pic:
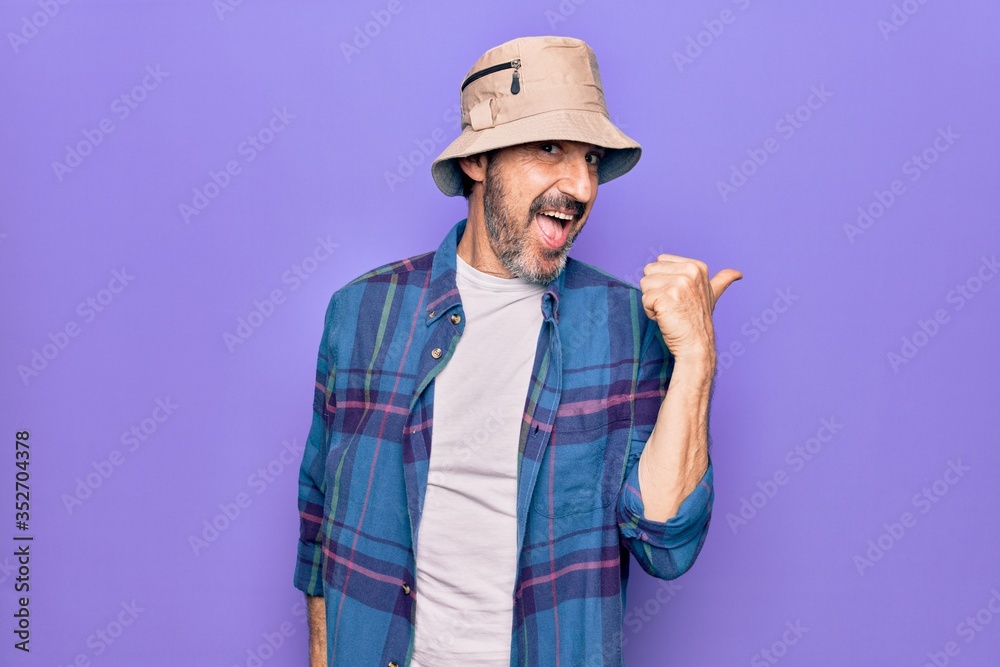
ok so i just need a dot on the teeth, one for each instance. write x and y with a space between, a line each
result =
557 215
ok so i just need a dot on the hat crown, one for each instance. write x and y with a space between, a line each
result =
542 74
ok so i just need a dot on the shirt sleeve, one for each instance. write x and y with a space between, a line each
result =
312 478
664 549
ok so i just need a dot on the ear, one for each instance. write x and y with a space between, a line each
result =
474 166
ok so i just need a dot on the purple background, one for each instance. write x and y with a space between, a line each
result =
351 119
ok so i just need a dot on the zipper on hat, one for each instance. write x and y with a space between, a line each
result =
515 84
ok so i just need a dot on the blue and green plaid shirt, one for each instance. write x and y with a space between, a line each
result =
600 373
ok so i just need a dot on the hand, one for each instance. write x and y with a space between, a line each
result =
678 294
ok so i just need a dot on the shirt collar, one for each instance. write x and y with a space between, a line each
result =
443 294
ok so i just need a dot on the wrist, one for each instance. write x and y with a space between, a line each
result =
698 360
695 372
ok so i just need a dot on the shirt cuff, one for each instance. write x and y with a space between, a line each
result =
308 569
688 524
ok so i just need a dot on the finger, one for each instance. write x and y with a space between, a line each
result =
667 257
682 264
691 269
673 282
648 304
723 279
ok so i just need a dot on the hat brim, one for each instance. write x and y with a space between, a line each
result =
560 125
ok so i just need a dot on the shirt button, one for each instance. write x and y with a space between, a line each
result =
406 588
436 353
455 318
393 663
430 314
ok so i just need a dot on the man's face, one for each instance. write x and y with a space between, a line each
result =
536 200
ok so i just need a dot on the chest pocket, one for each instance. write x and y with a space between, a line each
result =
582 466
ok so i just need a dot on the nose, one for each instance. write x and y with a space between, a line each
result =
579 180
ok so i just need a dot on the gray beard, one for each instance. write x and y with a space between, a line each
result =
510 247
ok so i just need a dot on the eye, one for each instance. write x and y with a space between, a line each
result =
547 148
594 158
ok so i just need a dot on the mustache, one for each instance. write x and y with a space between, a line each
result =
564 203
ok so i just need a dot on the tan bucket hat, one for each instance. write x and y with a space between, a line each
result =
535 89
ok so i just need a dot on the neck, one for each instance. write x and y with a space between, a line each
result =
474 246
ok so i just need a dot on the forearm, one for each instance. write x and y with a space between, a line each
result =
675 457
317 630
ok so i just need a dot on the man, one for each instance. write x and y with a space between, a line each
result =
483 457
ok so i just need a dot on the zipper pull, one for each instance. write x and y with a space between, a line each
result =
515 84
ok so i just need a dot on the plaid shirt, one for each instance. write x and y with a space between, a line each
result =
600 373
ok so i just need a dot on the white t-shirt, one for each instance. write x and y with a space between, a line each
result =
467 543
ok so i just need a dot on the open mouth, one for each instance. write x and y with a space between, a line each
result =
554 226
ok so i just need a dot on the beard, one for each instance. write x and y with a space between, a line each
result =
511 241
